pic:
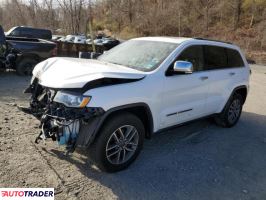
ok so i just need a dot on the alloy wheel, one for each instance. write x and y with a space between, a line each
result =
234 111
122 144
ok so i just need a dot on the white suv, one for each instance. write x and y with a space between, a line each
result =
143 86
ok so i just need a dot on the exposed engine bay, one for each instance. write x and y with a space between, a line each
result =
58 122
60 98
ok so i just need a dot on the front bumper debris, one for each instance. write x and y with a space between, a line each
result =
71 127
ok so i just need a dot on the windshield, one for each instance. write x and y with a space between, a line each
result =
139 54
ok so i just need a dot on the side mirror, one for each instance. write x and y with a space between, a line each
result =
183 67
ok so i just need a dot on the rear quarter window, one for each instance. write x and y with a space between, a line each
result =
44 34
234 58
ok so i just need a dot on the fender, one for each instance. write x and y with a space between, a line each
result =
131 106
233 92
90 130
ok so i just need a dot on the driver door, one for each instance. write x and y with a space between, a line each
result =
184 95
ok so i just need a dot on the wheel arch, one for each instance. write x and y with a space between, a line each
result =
242 90
222 118
26 56
141 110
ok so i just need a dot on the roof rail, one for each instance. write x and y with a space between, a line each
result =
198 38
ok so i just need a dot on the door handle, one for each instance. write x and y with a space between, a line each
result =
203 78
232 73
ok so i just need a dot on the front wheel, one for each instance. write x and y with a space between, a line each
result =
231 113
26 66
119 143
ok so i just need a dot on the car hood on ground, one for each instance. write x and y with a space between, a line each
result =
75 73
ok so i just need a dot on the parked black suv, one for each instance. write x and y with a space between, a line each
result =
29 32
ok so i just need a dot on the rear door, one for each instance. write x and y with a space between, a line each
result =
225 69
184 95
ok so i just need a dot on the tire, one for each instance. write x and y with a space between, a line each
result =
104 152
25 66
231 112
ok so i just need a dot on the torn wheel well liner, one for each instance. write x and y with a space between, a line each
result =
141 110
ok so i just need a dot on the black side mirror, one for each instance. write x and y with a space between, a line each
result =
2 36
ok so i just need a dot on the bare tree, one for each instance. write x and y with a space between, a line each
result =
206 4
72 11
140 17
236 7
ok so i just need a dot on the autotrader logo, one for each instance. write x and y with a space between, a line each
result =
27 193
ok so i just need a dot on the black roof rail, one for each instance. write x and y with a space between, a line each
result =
198 38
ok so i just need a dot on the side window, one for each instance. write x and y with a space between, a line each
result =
24 32
46 34
42 34
35 33
193 54
234 58
15 32
215 57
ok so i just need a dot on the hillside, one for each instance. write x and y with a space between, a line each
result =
239 21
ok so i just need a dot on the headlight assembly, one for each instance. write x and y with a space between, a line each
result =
72 100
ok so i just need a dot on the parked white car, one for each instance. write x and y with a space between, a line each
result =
80 39
140 87
68 38
57 37
89 41
98 41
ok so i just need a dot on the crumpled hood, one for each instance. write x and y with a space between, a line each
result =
75 73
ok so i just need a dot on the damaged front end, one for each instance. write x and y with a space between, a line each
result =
63 116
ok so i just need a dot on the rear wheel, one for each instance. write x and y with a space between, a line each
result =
231 113
26 66
119 143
